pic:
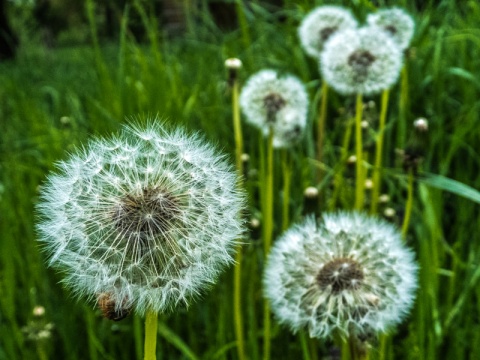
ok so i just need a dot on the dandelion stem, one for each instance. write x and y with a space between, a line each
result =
359 194
408 205
321 127
237 279
378 153
304 344
268 234
151 323
287 179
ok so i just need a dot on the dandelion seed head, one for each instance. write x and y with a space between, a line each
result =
349 274
270 100
142 221
364 61
396 22
320 24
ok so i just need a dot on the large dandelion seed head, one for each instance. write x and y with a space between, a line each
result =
364 61
348 275
144 220
276 102
320 24
396 22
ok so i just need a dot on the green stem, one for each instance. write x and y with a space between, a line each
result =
360 182
403 105
378 153
268 235
237 277
408 205
151 323
287 180
321 128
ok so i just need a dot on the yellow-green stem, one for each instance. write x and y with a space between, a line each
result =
287 179
378 153
360 181
408 205
267 235
151 323
321 127
237 276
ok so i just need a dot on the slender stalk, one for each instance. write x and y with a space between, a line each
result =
267 235
304 344
151 323
321 127
378 153
403 107
237 277
408 205
287 180
360 182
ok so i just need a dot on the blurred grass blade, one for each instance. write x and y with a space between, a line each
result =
453 186
175 340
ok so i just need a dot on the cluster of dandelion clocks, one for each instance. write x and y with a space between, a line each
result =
277 103
144 220
349 274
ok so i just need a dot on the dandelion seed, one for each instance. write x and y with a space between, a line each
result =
361 61
320 24
396 22
143 221
348 275
269 100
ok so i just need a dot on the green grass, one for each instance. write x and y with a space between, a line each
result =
52 100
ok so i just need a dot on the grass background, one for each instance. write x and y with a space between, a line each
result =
54 99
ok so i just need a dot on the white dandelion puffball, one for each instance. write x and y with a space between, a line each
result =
349 275
361 61
280 102
142 221
396 22
320 24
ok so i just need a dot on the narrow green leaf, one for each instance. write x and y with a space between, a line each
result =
453 186
176 341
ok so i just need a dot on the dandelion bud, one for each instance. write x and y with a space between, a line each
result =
233 65
368 184
143 221
416 146
389 212
351 160
38 311
384 198
350 275
311 192
421 124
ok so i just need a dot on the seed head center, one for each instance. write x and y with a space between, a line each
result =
360 61
273 103
148 213
340 274
326 32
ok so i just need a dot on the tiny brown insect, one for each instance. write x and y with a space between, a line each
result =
109 309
